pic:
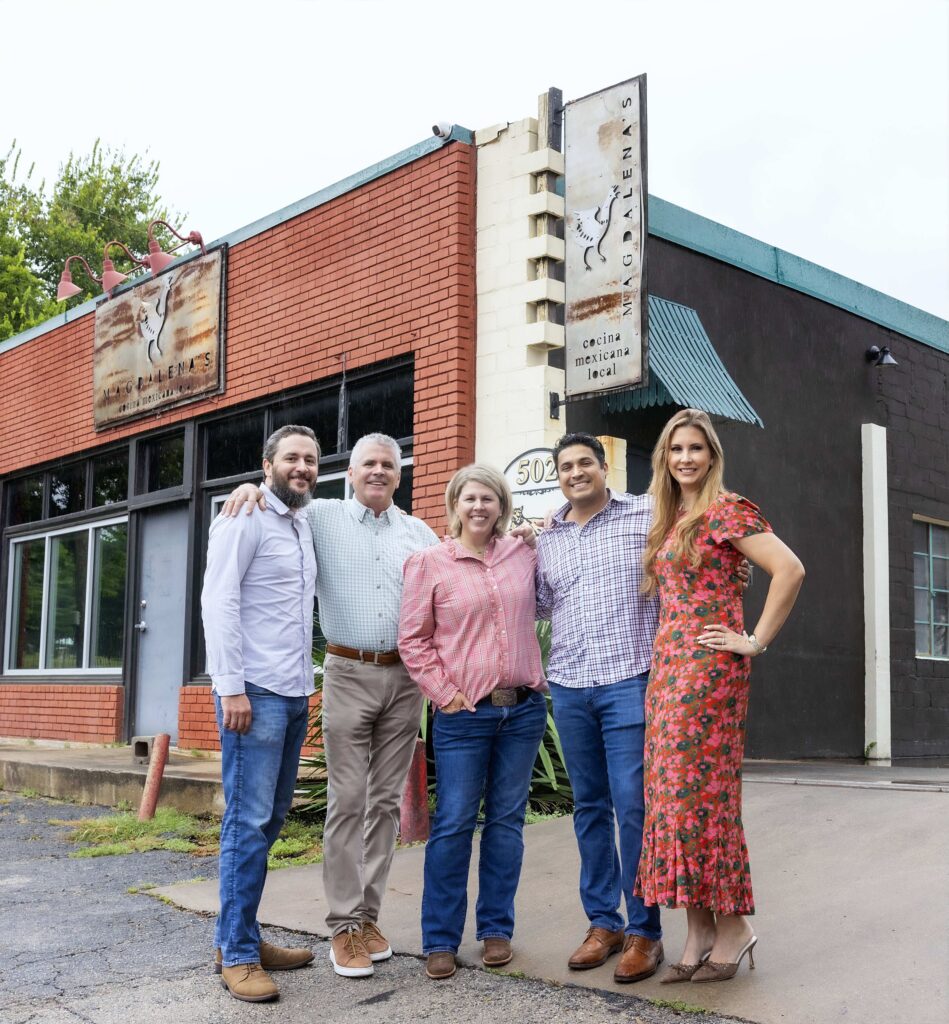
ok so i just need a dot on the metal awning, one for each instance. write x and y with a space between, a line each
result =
684 369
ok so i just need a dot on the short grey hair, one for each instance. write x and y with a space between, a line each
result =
367 440
273 442
478 473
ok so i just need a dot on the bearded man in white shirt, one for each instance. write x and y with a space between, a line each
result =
257 606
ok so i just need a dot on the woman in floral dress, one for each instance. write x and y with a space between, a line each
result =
694 853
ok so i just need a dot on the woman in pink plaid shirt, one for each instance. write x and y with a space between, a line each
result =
467 638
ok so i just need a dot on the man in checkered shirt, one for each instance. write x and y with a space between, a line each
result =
589 571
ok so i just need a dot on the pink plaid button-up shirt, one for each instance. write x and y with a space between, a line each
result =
468 624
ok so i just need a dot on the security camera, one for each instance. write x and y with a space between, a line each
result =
442 130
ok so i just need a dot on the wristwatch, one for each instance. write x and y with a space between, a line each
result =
753 640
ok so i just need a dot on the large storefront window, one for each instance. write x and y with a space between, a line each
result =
66 600
931 588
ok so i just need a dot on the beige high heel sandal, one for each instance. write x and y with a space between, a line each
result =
681 972
712 971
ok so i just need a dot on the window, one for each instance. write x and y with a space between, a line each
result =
26 499
234 445
931 588
164 459
67 600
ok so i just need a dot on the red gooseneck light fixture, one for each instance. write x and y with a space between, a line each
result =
156 261
67 289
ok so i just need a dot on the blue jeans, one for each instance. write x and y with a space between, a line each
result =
602 730
488 753
259 772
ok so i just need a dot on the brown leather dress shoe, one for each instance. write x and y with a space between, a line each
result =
250 983
641 958
497 952
274 958
440 965
598 945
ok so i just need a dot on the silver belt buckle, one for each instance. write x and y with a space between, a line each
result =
504 698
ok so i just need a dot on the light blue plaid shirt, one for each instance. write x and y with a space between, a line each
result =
360 558
588 580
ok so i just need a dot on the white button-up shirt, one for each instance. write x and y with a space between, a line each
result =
257 601
360 556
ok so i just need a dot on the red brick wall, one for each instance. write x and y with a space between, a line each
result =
383 271
197 729
378 272
85 714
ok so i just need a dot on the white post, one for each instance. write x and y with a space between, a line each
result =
876 593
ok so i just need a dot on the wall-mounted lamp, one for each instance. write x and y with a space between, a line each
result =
880 356
156 261
67 289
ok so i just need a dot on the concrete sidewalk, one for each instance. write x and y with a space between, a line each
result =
851 883
109 777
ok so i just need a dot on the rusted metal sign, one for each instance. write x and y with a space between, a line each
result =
605 174
161 343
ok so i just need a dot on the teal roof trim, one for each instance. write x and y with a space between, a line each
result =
325 195
692 231
684 369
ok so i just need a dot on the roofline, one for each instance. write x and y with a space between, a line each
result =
676 224
257 227
666 220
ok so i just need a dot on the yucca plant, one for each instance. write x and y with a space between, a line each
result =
550 786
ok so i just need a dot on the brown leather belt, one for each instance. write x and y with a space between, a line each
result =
370 657
507 697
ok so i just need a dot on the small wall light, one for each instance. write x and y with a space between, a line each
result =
880 356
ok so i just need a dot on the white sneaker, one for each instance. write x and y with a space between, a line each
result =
349 956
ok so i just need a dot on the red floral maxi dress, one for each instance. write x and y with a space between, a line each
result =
694 852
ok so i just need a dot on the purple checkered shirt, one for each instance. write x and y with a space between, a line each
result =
588 581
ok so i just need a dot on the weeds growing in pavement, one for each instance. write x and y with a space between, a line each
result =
300 842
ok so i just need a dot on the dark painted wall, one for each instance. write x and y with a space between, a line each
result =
914 398
800 362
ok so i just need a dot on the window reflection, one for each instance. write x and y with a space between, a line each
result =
67 489
108 596
164 462
318 412
383 404
26 499
27 605
110 477
66 603
234 445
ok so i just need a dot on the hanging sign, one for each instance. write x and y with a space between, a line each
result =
605 179
161 343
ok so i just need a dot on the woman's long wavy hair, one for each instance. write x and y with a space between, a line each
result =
667 496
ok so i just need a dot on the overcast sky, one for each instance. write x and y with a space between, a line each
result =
819 127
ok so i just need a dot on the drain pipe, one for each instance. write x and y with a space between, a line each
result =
156 769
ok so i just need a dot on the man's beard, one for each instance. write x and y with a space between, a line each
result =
292 499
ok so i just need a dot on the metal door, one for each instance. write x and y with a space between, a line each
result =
160 620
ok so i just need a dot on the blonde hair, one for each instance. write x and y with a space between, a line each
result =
478 473
667 495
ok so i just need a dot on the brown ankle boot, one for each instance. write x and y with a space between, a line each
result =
249 983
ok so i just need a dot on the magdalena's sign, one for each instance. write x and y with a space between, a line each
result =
605 177
161 343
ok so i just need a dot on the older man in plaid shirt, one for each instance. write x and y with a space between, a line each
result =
589 571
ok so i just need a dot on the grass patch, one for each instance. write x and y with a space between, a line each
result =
123 833
679 1006
132 890
300 841
29 794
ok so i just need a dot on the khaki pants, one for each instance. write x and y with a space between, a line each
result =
371 718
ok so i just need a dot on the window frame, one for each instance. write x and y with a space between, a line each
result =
9 670
930 589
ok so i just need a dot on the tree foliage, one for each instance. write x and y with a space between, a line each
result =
103 196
